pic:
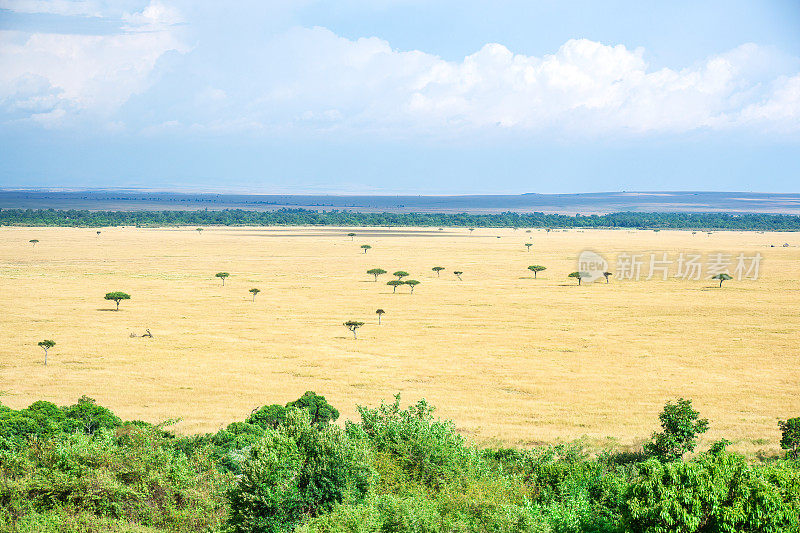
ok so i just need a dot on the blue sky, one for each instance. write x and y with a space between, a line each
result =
400 96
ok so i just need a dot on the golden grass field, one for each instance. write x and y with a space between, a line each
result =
510 359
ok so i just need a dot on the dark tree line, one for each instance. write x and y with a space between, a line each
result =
305 217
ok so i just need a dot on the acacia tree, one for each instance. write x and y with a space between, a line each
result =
394 284
254 291
458 274
98 233
681 426
437 270
535 269
199 231
376 272
365 247
222 276
412 283
528 245
117 297
379 312
607 275
33 242
579 276
352 236
721 277
400 274
471 230
353 325
46 345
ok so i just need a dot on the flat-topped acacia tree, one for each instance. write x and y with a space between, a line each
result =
437 270
394 284
222 276
353 325
722 277
471 230
117 297
579 276
607 275
365 247
99 232
379 312
536 268
46 345
376 272
352 236
528 245
400 274
458 274
33 242
199 231
412 283
254 291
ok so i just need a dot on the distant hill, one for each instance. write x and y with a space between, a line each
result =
568 204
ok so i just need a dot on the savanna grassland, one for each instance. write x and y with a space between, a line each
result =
511 359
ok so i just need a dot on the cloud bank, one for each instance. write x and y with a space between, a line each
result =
158 76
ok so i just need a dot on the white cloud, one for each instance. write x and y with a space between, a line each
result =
58 75
312 80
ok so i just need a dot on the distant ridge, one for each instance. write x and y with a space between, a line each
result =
570 204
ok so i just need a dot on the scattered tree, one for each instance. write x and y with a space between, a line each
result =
437 270
458 274
579 276
790 437
254 291
33 242
394 284
117 297
199 231
376 272
365 247
471 230
681 426
721 277
46 345
412 283
607 275
352 236
222 276
379 312
400 274
528 245
536 269
353 325
98 233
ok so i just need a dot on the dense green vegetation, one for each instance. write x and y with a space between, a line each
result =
304 217
288 468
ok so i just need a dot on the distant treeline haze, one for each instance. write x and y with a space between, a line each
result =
305 217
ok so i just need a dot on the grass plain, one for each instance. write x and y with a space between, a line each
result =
511 359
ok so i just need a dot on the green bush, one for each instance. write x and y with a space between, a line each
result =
298 471
715 493
681 427
790 437
129 474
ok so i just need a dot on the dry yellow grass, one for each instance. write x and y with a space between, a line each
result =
507 357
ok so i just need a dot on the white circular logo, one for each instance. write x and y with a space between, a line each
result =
591 265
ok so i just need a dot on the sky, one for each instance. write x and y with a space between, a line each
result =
401 96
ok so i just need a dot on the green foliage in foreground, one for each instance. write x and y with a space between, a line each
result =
287 468
307 217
